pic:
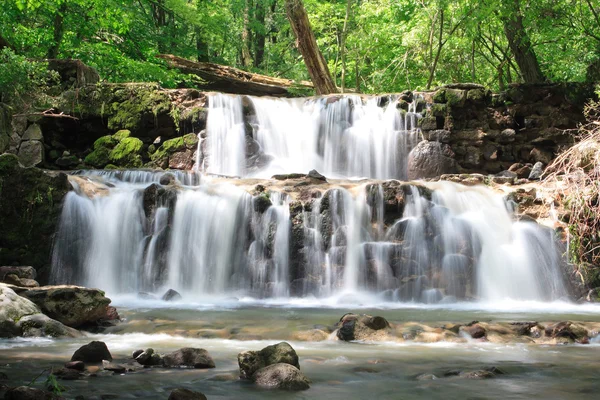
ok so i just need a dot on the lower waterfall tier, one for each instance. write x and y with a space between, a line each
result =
410 242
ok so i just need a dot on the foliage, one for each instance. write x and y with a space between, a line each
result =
576 175
372 45
19 76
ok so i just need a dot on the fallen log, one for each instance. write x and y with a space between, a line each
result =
226 79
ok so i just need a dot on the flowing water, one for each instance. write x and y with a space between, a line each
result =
258 261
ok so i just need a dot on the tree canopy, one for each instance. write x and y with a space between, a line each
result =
369 45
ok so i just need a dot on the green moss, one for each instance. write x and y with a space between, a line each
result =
131 104
167 148
191 140
193 114
111 166
120 135
438 110
440 96
477 95
454 97
99 157
8 162
127 153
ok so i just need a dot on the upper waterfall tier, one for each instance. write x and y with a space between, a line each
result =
342 136
420 242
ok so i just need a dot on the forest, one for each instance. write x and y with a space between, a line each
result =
369 45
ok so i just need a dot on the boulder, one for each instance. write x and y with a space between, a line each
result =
93 352
13 279
27 393
281 376
31 153
148 357
536 171
21 272
186 394
189 357
33 132
475 331
74 306
251 361
362 327
171 295
39 325
12 309
76 365
313 174
430 160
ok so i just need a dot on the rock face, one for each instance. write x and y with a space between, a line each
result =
29 197
93 352
430 160
251 361
190 358
281 376
186 394
362 327
74 306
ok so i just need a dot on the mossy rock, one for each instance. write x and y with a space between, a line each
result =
477 95
99 157
133 104
122 134
191 141
439 96
111 167
160 156
455 97
105 142
127 153
438 110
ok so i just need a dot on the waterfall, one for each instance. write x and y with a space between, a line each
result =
435 242
347 136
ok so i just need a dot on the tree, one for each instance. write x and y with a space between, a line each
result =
307 45
520 44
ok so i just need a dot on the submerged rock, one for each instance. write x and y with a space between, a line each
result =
73 306
188 357
251 361
186 394
28 393
93 352
281 376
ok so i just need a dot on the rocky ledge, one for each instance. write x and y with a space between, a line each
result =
52 310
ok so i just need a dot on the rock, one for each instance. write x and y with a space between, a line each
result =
33 132
281 376
13 279
34 200
41 325
536 171
476 331
564 330
31 153
171 295
148 358
116 368
73 73
68 161
506 136
189 357
67 374
313 174
12 309
127 153
430 160
362 327
539 155
437 135
74 306
111 314
182 160
27 393
251 361
284 177
167 179
136 353
76 365
186 394
261 203
21 272
93 352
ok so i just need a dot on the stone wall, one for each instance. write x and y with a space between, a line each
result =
466 128
488 133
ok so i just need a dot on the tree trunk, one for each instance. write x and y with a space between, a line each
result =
307 45
246 56
59 30
260 34
438 53
520 46
343 45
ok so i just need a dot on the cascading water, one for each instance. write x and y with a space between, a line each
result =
348 136
439 242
